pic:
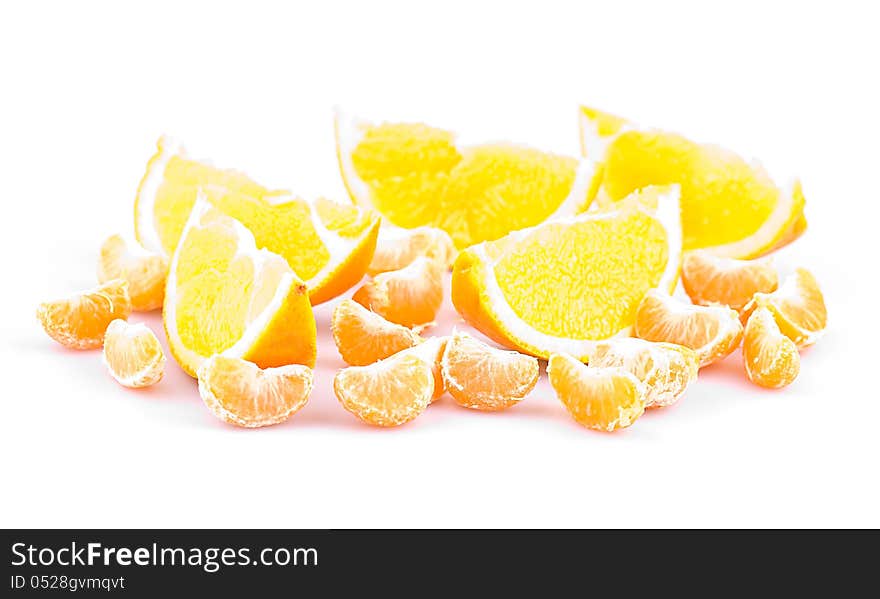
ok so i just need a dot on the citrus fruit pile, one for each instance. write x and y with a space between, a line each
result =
572 261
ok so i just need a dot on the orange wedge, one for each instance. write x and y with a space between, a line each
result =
711 331
713 281
145 271
431 351
363 337
484 378
798 307
771 359
133 355
666 369
410 296
389 392
240 393
605 399
397 248
80 321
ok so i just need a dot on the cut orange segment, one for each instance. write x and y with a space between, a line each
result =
563 285
730 206
666 369
224 296
410 296
240 393
80 321
431 351
133 355
711 331
604 399
389 392
363 337
397 248
713 281
416 175
798 307
144 270
484 378
328 245
771 359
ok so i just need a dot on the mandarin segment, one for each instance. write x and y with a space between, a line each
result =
599 398
770 358
363 337
397 248
798 307
410 296
241 393
387 393
133 354
484 378
145 271
714 281
80 321
431 351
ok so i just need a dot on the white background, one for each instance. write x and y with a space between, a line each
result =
87 88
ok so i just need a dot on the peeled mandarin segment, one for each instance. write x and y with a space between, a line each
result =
771 359
729 205
798 307
144 271
666 369
327 244
363 337
133 354
410 297
240 393
431 351
564 285
712 332
604 399
224 296
80 321
417 175
484 378
713 281
397 248
389 392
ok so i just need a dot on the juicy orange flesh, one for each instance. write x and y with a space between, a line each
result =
387 393
631 253
771 358
130 352
709 177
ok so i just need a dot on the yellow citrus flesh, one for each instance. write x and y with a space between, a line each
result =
798 307
417 175
363 337
605 399
563 285
770 358
80 321
224 296
389 392
484 378
397 248
328 245
240 393
410 297
713 281
133 355
713 332
144 271
666 369
729 205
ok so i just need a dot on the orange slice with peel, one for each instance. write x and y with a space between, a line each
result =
798 307
481 377
714 281
144 271
712 332
327 244
224 296
389 392
363 337
80 320
397 248
601 398
563 285
133 354
240 393
770 358
410 296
